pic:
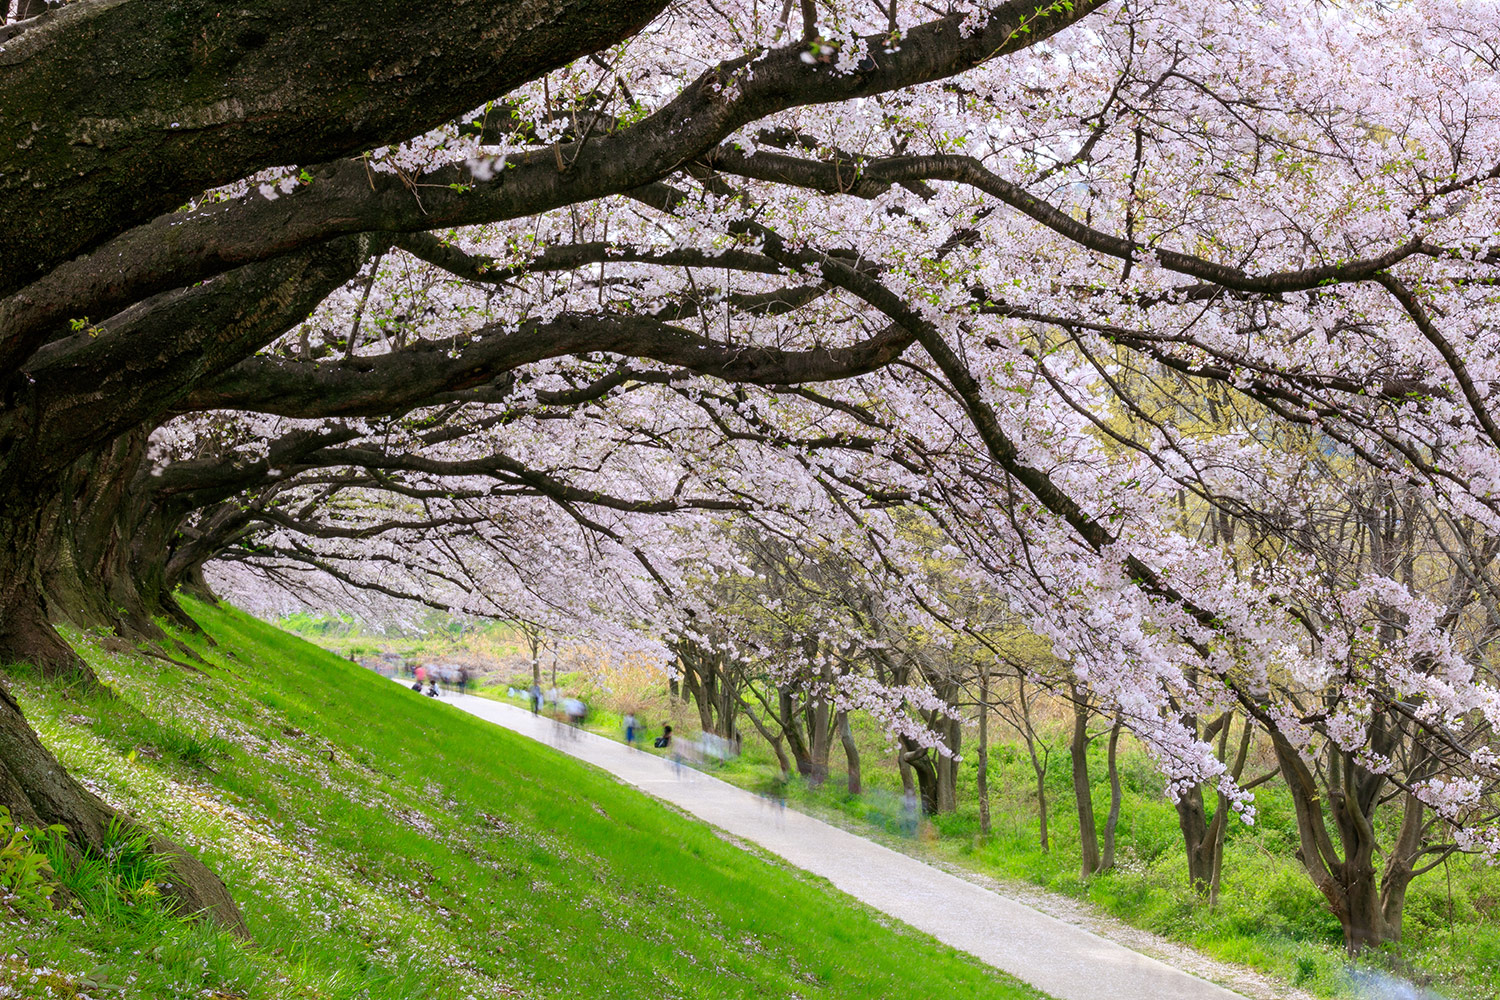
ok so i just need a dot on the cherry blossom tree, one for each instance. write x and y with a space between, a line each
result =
574 313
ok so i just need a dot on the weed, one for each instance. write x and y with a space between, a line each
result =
25 868
121 880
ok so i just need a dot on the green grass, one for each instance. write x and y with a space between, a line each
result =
383 845
1269 915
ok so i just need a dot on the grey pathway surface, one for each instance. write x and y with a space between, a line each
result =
1065 961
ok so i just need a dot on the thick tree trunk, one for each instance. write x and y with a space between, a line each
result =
926 773
26 632
1078 749
1192 820
90 561
1368 908
39 792
947 767
33 785
84 97
851 754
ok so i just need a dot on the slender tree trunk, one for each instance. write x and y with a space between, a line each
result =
982 779
1038 762
1078 748
851 754
796 738
1112 821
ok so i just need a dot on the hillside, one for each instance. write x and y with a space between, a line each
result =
383 845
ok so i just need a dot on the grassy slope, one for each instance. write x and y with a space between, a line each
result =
383 845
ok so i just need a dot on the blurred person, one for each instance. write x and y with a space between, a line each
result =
631 728
911 813
535 697
576 711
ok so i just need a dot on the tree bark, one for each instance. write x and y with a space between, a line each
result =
1112 821
26 632
947 766
1038 761
115 113
1078 748
1368 907
982 779
853 783
919 759
39 792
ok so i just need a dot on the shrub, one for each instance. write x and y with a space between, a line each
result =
25 868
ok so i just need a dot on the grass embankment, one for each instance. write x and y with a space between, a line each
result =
384 845
1269 915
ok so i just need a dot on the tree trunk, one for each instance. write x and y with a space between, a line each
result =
851 753
796 739
26 632
920 761
1192 820
1112 821
1038 761
88 551
1368 910
982 779
33 785
38 792
947 767
1078 749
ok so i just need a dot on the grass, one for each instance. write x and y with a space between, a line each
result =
1269 916
383 845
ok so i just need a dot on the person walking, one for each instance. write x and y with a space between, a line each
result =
535 697
576 710
630 728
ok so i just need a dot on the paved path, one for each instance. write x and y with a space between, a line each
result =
1065 961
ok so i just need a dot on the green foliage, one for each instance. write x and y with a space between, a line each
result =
25 868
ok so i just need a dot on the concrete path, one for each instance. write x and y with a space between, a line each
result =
1065 961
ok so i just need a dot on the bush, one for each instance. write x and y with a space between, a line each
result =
25 867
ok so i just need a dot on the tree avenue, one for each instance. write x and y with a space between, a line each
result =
815 351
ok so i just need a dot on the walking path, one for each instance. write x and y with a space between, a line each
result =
1058 958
